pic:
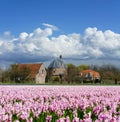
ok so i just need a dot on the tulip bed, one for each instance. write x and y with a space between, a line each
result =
59 104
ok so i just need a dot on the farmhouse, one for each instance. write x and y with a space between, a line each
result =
36 72
90 75
57 68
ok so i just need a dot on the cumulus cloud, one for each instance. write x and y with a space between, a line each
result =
23 36
41 45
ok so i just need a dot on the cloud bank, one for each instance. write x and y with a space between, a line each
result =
40 45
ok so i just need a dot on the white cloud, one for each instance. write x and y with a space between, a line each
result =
42 33
23 36
50 26
95 52
1 42
7 33
41 43
107 40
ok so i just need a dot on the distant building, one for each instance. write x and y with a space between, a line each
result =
90 75
36 72
57 67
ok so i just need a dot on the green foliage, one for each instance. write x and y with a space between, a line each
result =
71 72
37 120
13 72
108 107
5 76
109 72
55 78
88 109
31 114
54 117
14 117
16 75
16 101
83 67
69 112
80 113
118 108
42 117
22 120
94 116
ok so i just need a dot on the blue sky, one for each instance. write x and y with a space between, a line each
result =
69 15
86 31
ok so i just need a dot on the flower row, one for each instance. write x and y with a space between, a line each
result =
59 104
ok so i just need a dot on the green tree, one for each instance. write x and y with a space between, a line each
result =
0 74
18 74
49 74
13 72
6 76
83 67
72 72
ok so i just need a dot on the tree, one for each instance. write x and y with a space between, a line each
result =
83 67
17 74
1 72
23 73
72 72
49 74
107 71
13 72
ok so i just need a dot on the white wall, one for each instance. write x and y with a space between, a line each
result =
41 75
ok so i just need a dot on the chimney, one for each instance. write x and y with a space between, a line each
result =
60 56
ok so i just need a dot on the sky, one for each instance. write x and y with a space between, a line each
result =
82 31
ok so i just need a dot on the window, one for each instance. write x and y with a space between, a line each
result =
42 71
88 75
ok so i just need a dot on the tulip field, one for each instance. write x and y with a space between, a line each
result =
59 103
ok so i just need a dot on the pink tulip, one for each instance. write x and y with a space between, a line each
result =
26 102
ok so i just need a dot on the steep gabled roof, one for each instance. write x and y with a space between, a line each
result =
34 68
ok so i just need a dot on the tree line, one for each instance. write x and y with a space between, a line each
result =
107 72
13 75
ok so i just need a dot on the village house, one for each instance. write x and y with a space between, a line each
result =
37 72
90 75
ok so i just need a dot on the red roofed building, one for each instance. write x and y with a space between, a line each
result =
90 75
35 71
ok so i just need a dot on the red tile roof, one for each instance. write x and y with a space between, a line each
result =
93 73
34 68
